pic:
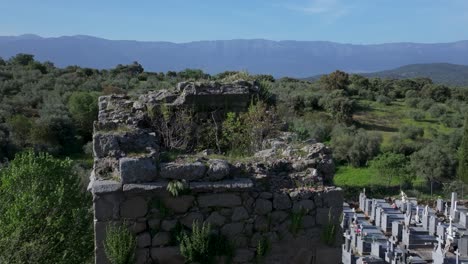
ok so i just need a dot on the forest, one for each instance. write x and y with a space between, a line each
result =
385 134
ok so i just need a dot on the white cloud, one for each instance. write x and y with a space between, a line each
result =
333 8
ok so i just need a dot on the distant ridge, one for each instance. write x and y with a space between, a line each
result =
280 58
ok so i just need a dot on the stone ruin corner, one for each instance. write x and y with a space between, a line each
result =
245 201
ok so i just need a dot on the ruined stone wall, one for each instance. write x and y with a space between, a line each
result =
245 201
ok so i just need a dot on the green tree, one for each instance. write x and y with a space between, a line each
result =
20 127
45 216
462 172
22 59
433 163
336 80
83 107
390 165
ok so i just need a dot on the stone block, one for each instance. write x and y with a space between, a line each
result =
239 213
168 225
161 239
135 170
261 224
278 216
190 218
215 219
105 145
232 229
142 256
143 240
179 204
243 256
219 200
186 171
167 255
281 201
217 170
263 206
134 208
307 205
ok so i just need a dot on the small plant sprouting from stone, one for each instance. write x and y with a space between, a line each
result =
175 187
195 246
202 246
263 246
328 235
120 245
296 220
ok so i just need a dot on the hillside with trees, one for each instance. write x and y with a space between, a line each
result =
385 134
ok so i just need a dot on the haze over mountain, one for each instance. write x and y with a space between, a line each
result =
279 58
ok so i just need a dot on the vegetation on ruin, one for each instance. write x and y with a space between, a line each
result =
201 245
120 245
263 247
296 220
329 231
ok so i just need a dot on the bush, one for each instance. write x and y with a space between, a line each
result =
412 102
416 115
202 246
120 245
437 110
45 216
355 147
411 132
384 99
425 104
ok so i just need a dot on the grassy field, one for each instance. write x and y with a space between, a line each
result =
360 177
388 119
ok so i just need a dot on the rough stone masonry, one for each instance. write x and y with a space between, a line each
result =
246 202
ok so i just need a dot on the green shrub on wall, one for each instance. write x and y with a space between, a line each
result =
120 245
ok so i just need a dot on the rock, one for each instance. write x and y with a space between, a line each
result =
219 200
281 201
218 169
240 241
134 208
167 255
186 171
105 186
105 207
134 170
154 223
333 198
190 218
263 206
322 216
256 237
215 219
143 240
307 205
136 227
239 214
168 225
142 256
304 256
243 256
179 204
161 239
265 154
308 221
266 195
278 216
105 145
261 224
232 229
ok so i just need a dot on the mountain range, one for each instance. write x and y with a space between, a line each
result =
279 58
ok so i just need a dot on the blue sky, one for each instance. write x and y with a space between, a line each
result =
347 21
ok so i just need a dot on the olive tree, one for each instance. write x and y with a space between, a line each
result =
45 216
